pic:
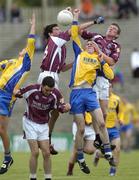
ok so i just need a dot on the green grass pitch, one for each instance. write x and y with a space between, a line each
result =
128 168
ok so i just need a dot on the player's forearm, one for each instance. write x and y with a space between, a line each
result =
32 22
98 20
32 29
108 59
86 25
67 67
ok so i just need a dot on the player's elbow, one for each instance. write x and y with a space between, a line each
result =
111 62
111 76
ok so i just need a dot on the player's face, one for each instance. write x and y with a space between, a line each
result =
46 90
22 53
56 31
89 47
112 31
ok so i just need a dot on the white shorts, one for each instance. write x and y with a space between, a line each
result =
89 133
35 131
54 75
102 88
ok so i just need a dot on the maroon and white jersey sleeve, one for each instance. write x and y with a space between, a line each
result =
88 35
108 47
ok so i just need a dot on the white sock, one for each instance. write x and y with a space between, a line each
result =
47 176
32 176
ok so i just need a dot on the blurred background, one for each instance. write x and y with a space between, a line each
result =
14 27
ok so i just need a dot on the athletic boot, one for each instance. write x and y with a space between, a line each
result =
84 167
52 150
5 166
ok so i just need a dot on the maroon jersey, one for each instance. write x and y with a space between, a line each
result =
108 47
55 53
39 105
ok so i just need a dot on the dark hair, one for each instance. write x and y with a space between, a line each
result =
119 29
48 29
48 81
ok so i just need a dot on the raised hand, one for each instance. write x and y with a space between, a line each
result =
76 13
33 19
69 9
32 22
99 20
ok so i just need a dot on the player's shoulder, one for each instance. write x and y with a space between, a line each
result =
33 86
116 44
56 92
98 35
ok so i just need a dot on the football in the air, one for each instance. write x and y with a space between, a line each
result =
65 17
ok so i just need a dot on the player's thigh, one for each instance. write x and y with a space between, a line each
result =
79 120
89 137
29 129
4 121
88 146
6 104
91 101
77 102
116 142
44 146
103 105
34 148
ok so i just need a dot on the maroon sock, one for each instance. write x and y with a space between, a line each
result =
70 167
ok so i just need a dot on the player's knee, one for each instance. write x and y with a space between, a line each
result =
35 153
117 149
102 125
104 116
81 130
46 154
2 130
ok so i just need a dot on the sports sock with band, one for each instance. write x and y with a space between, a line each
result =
80 155
7 156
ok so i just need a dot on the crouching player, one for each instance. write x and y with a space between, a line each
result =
88 147
41 100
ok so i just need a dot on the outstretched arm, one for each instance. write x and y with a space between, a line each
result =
98 20
32 22
31 38
75 33
66 67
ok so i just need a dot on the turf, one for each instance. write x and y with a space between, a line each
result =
128 169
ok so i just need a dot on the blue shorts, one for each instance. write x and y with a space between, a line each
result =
6 105
125 128
113 133
83 100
